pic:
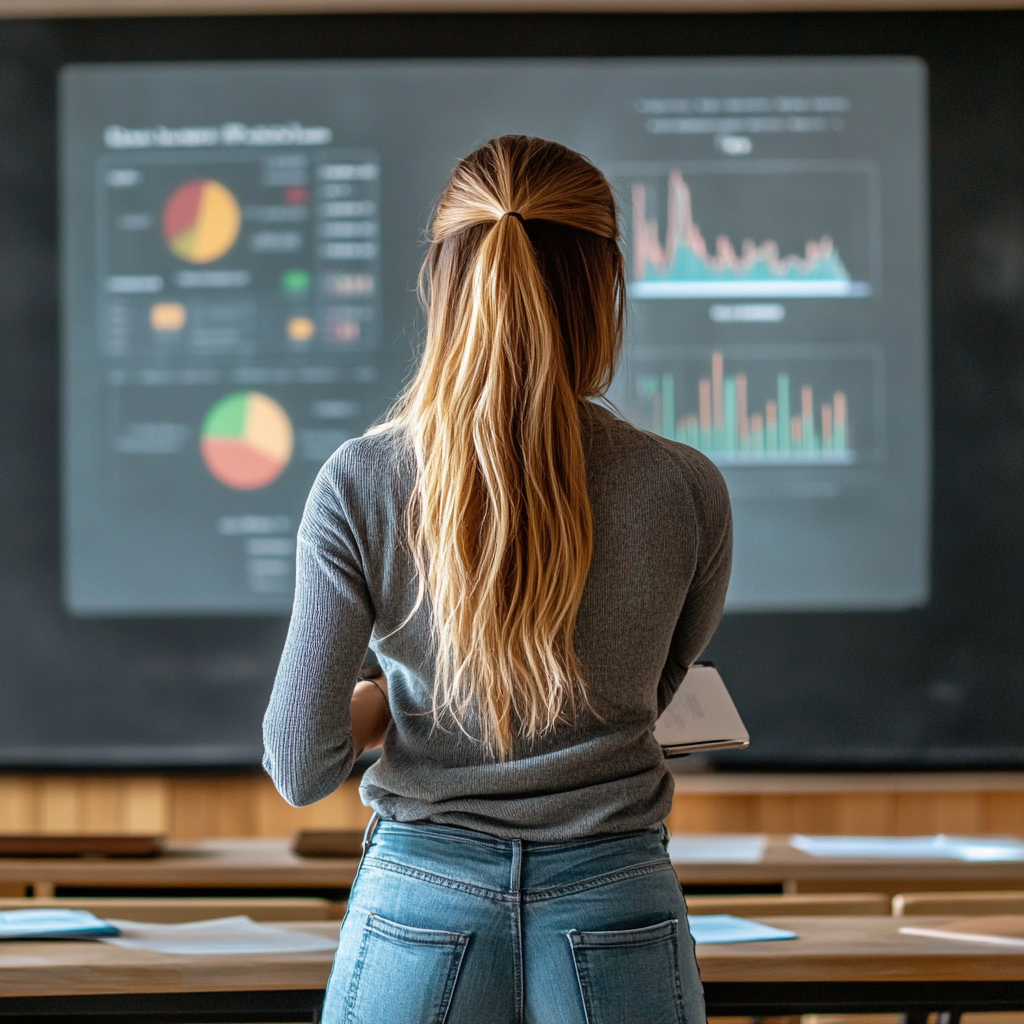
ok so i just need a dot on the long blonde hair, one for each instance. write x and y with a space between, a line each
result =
524 289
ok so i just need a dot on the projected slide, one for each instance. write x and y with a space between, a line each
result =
241 244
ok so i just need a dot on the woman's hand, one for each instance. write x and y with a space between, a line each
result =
370 713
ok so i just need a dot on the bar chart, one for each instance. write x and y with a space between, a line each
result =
762 409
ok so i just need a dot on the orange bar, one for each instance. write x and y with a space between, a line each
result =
796 429
839 407
806 400
716 390
771 414
826 425
705 404
742 426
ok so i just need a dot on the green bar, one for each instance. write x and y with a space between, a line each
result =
668 406
839 437
729 414
807 435
784 425
757 440
646 386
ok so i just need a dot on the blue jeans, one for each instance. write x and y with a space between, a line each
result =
449 926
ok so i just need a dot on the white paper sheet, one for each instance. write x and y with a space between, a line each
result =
992 940
912 847
713 929
737 849
221 936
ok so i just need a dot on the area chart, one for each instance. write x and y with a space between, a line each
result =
684 267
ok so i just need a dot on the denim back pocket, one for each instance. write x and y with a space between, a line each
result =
630 975
403 975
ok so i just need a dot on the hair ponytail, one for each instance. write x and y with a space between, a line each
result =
524 289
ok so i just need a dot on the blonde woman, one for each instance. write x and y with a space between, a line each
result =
535 576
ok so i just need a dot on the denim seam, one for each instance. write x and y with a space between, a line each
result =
357 970
454 969
447 883
596 882
582 981
516 887
497 845
587 842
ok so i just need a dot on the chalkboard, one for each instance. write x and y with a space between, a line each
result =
939 686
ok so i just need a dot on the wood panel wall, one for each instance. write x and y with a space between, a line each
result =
199 806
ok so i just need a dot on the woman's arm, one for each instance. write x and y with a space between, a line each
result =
307 730
705 598
370 712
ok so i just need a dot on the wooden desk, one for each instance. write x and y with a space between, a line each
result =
797 871
210 864
270 864
845 965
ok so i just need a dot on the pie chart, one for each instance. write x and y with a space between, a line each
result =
246 440
201 220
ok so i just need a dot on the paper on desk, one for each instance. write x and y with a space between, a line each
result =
223 935
53 923
995 929
939 847
712 929
716 849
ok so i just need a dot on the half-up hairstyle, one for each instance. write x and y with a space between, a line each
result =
524 290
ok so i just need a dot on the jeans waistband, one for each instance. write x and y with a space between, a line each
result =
457 856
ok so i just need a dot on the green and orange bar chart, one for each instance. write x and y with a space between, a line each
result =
726 429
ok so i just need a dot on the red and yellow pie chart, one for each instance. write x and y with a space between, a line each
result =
246 440
201 220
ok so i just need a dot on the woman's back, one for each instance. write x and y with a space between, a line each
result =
535 577
653 596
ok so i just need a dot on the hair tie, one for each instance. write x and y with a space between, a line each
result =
513 213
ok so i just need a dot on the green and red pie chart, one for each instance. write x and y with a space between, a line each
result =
246 440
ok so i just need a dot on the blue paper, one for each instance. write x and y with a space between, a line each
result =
708 929
53 923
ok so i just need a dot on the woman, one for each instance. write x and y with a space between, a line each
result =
535 576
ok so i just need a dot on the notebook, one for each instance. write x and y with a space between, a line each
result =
53 923
701 716
715 929
996 930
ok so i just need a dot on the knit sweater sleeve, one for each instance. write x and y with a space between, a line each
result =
307 729
705 597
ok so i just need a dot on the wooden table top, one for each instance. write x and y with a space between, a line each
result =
211 863
853 949
781 862
270 863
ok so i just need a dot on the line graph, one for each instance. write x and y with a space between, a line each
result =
685 266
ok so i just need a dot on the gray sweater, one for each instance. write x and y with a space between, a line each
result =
653 597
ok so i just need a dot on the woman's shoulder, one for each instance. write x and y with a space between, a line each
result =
373 458
625 448
365 481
